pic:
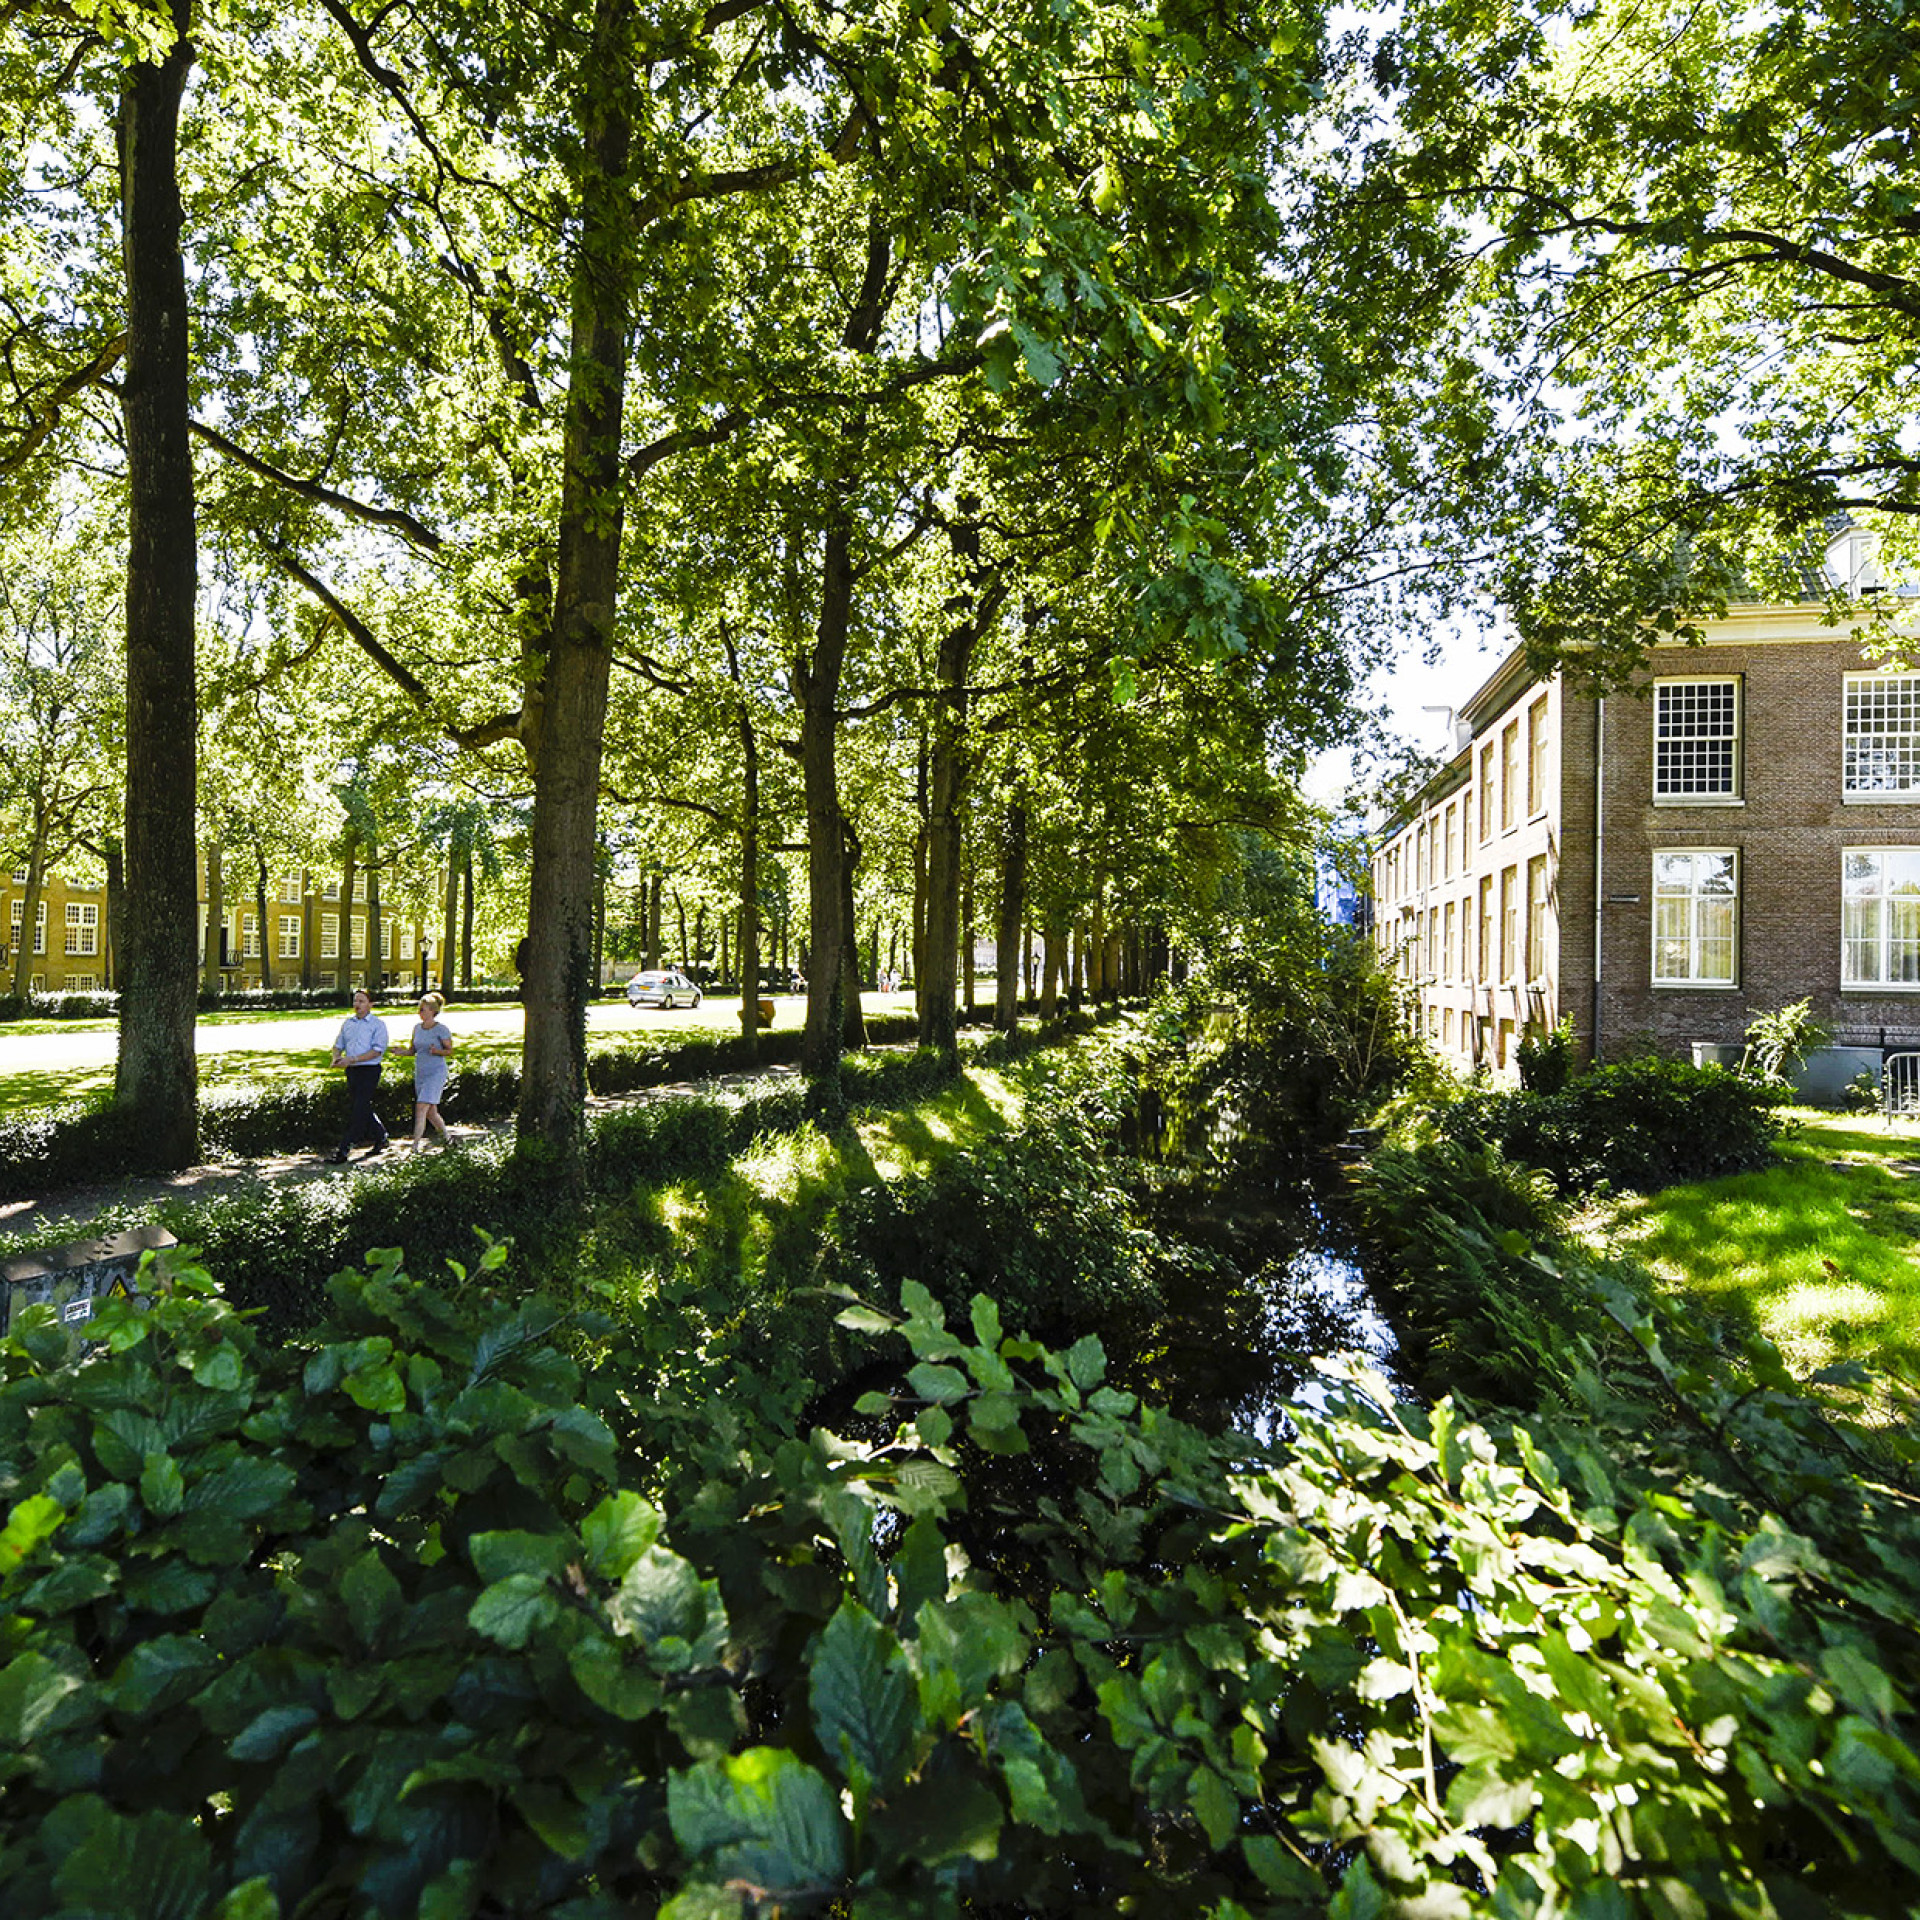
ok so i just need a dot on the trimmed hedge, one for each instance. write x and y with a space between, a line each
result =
43 1149
1636 1126
58 1006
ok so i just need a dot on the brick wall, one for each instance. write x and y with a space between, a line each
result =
1789 830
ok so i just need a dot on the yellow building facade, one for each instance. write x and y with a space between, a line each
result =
70 938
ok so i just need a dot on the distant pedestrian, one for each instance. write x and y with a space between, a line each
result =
359 1047
429 1043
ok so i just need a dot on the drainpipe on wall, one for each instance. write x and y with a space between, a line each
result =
1599 852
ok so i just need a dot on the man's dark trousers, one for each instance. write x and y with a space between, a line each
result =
363 1082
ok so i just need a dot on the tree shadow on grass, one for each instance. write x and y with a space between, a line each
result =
1821 1259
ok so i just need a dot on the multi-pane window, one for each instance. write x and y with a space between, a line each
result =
1537 756
83 927
291 891
1537 917
1880 748
1509 774
1486 929
1880 917
1696 916
406 943
1486 792
39 923
1451 964
1696 739
332 890
289 936
83 982
1509 921
329 936
1446 844
249 938
359 937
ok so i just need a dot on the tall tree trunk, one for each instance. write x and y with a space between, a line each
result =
466 920
680 918
816 680
599 924
968 941
566 791
376 955
947 774
920 872
1009 971
349 874
1053 957
260 896
1026 954
450 921
215 954
854 1021
30 915
651 959
116 909
156 1080
749 863
700 935
1094 948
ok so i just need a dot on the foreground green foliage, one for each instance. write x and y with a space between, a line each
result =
478 1609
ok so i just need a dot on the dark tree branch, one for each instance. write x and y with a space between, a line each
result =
489 733
416 532
93 374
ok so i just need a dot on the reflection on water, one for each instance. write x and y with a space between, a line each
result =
1282 1285
1267 1289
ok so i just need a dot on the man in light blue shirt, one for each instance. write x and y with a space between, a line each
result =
360 1046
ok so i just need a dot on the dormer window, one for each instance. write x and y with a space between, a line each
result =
1853 563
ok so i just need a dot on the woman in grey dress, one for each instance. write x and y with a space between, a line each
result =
429 1043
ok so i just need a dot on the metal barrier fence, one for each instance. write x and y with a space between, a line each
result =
1900 1085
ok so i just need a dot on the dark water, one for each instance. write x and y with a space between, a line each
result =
1276 1288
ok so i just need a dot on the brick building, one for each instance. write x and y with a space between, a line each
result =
72 935
1738 830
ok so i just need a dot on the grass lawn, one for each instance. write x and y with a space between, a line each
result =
1821 1253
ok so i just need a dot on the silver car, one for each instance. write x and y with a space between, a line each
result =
662 990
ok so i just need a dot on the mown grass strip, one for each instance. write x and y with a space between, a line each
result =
1821 1252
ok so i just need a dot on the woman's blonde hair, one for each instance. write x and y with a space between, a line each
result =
432 1000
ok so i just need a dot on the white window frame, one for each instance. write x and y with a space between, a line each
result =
1734 794
292 890
83 928
329 936
406 943
1859 783
1867 916
249 937
289 936
39 922
1696 936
